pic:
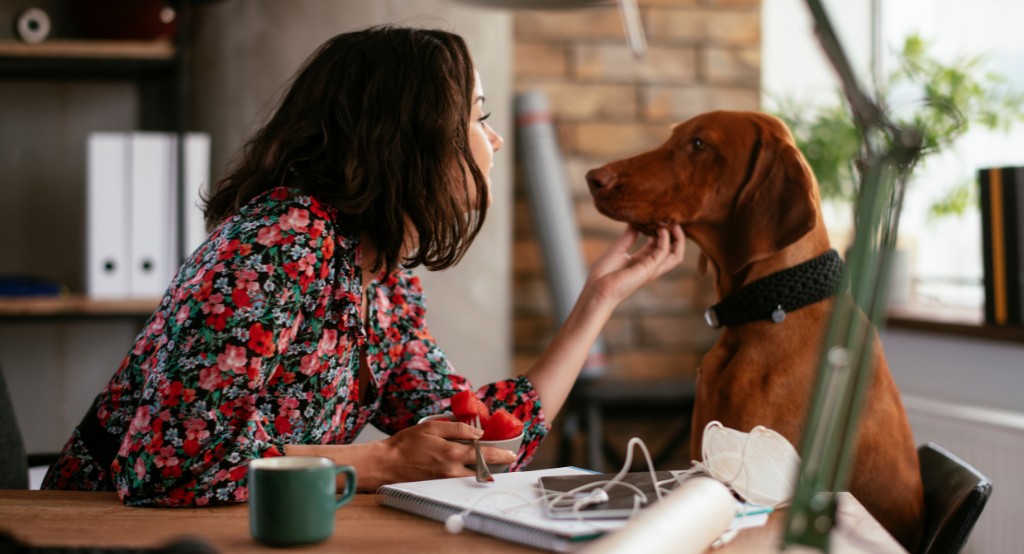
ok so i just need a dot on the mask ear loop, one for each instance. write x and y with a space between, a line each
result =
741 467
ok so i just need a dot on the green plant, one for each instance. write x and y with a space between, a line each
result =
947 99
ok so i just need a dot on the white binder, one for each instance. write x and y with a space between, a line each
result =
132 215
107 160
152 215
197 182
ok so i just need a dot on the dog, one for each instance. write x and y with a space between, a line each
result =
745 195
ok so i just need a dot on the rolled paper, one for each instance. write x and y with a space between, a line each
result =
685 521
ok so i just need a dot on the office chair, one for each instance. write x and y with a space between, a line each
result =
955 493
13 461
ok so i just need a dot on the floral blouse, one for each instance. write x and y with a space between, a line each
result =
256 345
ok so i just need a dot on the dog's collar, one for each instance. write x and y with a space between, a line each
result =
772 297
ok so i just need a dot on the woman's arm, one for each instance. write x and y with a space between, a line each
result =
424 451
613 277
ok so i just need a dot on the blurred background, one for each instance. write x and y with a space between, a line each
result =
221 72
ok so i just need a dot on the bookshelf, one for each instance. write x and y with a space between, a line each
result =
156 70
73 306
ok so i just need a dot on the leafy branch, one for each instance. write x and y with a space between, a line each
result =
947 99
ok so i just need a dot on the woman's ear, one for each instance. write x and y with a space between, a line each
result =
775 208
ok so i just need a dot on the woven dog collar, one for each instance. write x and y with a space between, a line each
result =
772 297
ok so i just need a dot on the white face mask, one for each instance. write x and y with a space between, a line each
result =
760 466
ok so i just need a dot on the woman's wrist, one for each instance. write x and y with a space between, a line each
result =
366 458
596 300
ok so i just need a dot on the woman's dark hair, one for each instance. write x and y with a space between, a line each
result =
376 124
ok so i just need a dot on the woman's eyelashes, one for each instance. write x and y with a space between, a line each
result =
484 117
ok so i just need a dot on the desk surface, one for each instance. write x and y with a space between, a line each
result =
57 518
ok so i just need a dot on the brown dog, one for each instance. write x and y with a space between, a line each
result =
744 193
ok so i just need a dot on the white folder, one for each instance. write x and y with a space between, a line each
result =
197 181
107 160
152 217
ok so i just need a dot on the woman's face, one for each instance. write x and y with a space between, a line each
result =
483 141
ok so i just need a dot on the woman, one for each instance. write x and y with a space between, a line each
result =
298 321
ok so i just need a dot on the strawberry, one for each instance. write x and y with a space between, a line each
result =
466 406
502 426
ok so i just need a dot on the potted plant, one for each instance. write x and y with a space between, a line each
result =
942 99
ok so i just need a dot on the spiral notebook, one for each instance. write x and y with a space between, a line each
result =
508 508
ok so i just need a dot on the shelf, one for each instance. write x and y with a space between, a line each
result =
955 321
162 50
72 58
74 306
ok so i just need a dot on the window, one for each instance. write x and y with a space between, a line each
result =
942 256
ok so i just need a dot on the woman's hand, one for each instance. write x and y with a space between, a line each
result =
428 451
613 277
423 451
618 274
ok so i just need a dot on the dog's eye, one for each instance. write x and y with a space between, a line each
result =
698 144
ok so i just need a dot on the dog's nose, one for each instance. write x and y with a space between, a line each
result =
600 179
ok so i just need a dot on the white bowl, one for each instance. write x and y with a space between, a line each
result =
512 444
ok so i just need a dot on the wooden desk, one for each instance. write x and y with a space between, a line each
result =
57 518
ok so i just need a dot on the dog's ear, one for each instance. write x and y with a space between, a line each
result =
775 208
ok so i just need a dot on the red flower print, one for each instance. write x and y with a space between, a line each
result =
418 363
297 219
230 250
416 348
232 359
310 364
140 423
166 457
183 313
291 269
172 393
316 230
140 468
282 425
237 473
261 341
219 313
328 343
255 369
195 428
240 298
156 327
269 236
209 378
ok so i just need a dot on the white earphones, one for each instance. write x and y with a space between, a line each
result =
455 524
589 494
599 496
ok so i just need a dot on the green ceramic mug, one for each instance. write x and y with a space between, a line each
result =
292 499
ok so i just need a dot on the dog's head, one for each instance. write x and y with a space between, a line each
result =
735 175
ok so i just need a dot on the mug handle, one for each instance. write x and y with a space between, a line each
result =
350 485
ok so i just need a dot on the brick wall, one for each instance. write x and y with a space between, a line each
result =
703 55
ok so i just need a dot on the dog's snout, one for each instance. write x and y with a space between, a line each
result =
600 179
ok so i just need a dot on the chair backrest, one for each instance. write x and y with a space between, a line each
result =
13 462
955 493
